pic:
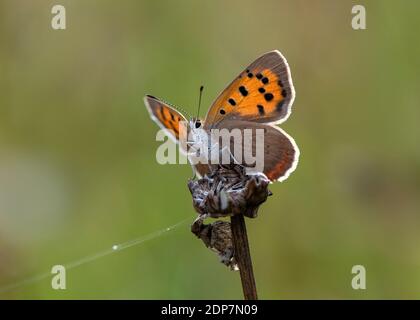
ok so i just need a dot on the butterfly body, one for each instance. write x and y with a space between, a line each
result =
254 102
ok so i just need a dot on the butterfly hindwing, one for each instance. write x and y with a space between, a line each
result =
263 92
280 154
165 116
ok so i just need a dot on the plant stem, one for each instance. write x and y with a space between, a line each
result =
243 256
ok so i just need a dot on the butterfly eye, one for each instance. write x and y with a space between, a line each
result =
197 124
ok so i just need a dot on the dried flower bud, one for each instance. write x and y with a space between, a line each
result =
218 237
226 191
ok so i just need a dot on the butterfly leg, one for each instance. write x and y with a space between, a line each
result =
232 157
194 171
192 153
222 151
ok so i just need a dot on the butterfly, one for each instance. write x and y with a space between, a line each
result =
260 97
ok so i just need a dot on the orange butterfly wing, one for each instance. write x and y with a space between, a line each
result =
263 93
165 116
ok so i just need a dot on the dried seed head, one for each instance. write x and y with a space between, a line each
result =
226 191
218 237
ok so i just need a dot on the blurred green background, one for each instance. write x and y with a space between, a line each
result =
77 147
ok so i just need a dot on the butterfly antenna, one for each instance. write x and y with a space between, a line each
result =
199 100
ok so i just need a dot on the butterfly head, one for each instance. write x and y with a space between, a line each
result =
196 123
197 135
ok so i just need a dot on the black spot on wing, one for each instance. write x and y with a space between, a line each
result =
279 106
284 93
162 113
261 110
173 127
232 102
268 97
243 91
261 90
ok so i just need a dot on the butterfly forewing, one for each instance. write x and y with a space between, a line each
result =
165 116
263 92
